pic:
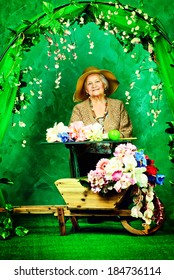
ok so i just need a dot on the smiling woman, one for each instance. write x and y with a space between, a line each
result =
94 88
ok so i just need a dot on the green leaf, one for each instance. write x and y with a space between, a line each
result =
8 223
48 8
12 30
4 233
27 22
8 207
172 183
21 231
170 130
84 183
5 181
56 27
141 4
170 123
2 218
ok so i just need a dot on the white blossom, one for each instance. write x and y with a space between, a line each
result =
22 96
22 124
135 41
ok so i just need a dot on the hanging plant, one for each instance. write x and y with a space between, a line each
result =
170 131
7 228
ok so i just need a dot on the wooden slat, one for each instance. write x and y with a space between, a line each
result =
33 209
86 213
77 196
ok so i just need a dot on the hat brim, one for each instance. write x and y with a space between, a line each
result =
80 94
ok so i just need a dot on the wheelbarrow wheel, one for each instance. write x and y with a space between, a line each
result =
137 227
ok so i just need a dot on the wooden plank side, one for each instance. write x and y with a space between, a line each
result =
77 196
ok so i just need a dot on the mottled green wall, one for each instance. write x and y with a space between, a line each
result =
35 167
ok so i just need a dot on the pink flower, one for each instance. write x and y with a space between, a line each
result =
117 175
96 178
125 149
102 164
76 131
125 181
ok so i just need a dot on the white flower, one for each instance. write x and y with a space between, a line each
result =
129 162
52 133
67 32
22 124
139 11
135 40
145 16
106 25
132 85
137 27
113 165
91 45
140 178
94 132
129 22
148 214
125 181
81 20
135 211
24 143
149 195
75 56
22 97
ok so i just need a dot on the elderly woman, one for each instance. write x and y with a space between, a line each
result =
92 91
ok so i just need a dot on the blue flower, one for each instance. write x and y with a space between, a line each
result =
140 158
160 179
64 136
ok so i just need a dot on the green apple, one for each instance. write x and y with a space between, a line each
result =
114 134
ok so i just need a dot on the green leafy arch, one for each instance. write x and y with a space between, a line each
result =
129 25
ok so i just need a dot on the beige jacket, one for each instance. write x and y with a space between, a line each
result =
117 117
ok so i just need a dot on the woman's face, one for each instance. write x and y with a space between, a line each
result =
94 85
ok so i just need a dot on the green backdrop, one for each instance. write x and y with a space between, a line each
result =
34 167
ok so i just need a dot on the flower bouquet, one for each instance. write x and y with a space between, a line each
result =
77 131
130 167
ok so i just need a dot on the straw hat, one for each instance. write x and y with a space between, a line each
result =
80 93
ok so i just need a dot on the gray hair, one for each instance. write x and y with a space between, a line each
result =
103 79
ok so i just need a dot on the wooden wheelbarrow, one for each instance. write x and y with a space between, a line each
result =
80 201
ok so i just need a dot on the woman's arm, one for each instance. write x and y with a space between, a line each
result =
76 115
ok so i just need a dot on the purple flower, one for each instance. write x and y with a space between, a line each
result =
151 179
